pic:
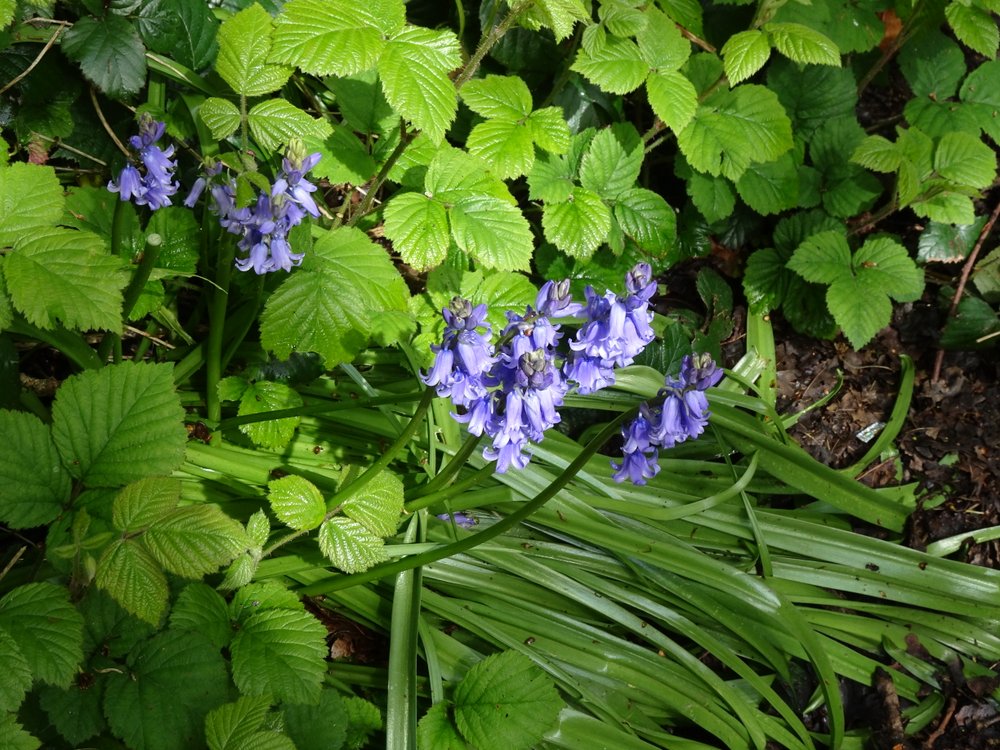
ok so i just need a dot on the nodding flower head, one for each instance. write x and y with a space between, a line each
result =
154 184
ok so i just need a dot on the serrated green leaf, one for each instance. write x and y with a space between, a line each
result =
558 15
612 162
859 308
144 502
33 483
31 198
263 396
16 680
67 276
221 116
974 326
48 630
712 196
107 626
974 27
932 64
744 53
317 727
259 597
812 95
414 71
614 64
418 228
823 258
280 652
578 226
647 219
233 725
240 572
853 27
621 17
673 98
349 545
173 680
134 579
947 243
802 44
378 506
14 737
110 53
734 129
549 129
938 118
119 424
848 190
500 292
344 158
200 608
765 280
179 238
75 712
6 306
454 174
274 122
435 729
296 502
363 719
550 179
231 388
947 207
327 306
981 90
506 97
493 232
890 268
506 145
183 29
878 154
772 187
965 160
258 528
244 49
661 43
505 702
338 38
195 540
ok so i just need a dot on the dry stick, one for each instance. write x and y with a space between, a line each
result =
38 58
966 270
100 116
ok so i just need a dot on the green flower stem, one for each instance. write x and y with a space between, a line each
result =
242 321
401 697
69 343
425 500
444 477
216 335
113 341
473 540
489 41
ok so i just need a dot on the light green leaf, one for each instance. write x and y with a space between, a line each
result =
612 162
221 116
119 424
454 174
550 179
823 258
549 129
110 53
493 232
262 596
195 540
506 702
859 308
338 37
378 505
614 64
647 219
318 727
965 160
240 572
258 528
947 208
673 99
414 71
712 196
296 502
14 737
802 44
436 730
33 483
734 129
233 725
144 502
558 15
280 652
500 292
273 122
64 276
349 545
772 187
506 145
344 159
974 27
327 306
244 49
418 228
263 396
16 680
506 97
48 630
200 608
580 225
31 198
232 388
981 90
744 53
173 680
134 579
878 154
889 266
661 43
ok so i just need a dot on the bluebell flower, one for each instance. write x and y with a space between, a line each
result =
461 520
464 357
681 414
155 184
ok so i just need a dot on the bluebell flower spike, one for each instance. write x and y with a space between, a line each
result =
154 184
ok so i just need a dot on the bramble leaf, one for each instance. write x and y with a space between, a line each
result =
823 258
318 727
889 264
661 43
279 652
48 630
110 53
144 502
506 145
613 63
673 98
965 160
378 505
558 15
946 243
234 725
273 122
221 116
264 396
244 49
974 27
344 158
195 540
981 90
878 154
859 308
744 53
505 702
31 198
647 219
494 96
128 572
296 502
418 228
772 187
33 483
612 162
493 232
802 44
933 65
14 737
765 280
200 608
579 225
17 677
549 129
183 29
435 729
349 545
119 424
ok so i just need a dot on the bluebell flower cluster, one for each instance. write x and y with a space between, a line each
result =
680 412
511 392
154 184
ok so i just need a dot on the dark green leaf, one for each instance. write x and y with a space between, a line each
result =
322 726
110 53
33 483
48 630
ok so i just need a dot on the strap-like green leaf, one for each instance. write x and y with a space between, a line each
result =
48 630
244 49
33 483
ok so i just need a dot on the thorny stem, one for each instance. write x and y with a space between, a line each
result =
366 205
489 41
963 279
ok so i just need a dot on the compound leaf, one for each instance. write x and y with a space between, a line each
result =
612 162
33 483
264 396
802 44
744 53
549 129
579 225
647 219
493 232
200 608
823 258
221 116
48 630
195 540
378 505
673 98
244 49
31 198
505 97
613 63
